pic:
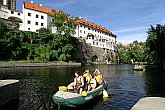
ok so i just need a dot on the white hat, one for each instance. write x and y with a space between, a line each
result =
97 70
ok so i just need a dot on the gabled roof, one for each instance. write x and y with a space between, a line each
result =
36 7
80 20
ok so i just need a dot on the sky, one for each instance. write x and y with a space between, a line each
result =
129 20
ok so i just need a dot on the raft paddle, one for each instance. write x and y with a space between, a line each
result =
105 94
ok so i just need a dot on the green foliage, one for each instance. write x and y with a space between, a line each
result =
64 57
64 23
138 51
10 45
135 51
155 43
44 35
3 29
42 53
42 46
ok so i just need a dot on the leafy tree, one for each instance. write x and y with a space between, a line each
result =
3 28
64 23
44 35
63 38
41 53
135 51
124 57
155 43
14 46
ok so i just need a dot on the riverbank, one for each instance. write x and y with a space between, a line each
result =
150 103
35 64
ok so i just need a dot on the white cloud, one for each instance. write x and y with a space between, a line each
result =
130 29
132 37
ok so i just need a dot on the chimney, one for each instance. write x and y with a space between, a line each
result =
5 2
31 1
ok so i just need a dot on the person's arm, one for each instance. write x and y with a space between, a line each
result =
75 81
82 80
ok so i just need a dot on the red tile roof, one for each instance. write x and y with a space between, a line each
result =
95 26
37 7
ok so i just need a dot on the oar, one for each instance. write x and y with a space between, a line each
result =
105 94
62 88
84 93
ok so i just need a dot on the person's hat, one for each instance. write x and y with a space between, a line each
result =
97 70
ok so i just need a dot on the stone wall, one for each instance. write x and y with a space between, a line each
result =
95 54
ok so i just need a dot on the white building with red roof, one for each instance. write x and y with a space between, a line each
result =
35 16
94 34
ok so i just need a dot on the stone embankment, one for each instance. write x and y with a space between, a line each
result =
150 103
9 91
32 64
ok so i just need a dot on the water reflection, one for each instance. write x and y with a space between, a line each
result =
125 86
155 82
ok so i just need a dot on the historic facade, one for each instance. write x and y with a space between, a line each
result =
94 34
35 16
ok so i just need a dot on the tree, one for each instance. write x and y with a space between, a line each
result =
3 28
44 35
64 23
123 53
135 51
155 43
63 40
10 45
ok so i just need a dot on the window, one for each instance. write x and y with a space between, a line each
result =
80 31
36 16
36 23
18 13
29 14
12 12
28 22
42 17
28 28
42 24
84 32
88 28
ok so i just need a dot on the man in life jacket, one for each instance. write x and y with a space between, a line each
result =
92 83
87 76
97 75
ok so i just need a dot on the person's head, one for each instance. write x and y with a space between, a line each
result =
97 71
78 73
87 71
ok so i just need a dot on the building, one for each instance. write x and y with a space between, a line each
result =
8 13
95 35
11 4
35 16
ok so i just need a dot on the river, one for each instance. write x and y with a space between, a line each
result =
125 86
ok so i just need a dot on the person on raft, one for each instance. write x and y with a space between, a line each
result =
87 77
79 82
97 75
